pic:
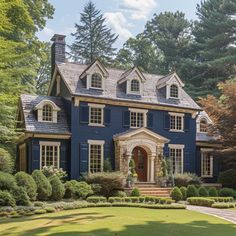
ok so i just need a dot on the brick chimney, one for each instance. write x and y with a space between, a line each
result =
58 54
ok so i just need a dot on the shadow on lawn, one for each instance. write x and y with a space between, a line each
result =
147 228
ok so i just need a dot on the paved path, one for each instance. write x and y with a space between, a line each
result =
229 215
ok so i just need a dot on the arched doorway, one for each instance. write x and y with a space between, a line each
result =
140 158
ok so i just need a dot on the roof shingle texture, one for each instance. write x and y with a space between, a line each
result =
31 123
72 71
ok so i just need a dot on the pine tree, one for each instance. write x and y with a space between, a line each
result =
93 39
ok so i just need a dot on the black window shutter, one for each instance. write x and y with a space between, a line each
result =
84 156
107 116
126 118
187 122
166 121
149 120
84 114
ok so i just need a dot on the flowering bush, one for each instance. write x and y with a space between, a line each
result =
49 171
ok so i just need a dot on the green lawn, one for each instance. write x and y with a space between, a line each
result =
119 221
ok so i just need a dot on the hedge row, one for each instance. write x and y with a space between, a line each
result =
224 205
200 201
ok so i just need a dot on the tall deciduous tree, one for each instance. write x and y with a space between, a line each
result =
93 39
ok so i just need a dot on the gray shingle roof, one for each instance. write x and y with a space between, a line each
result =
28 102
72 71
204 137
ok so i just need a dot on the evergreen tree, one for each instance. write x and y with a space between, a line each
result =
93 39
215 46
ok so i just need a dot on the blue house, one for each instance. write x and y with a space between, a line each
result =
95 115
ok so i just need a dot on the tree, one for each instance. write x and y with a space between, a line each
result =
215 46
223 113
93 39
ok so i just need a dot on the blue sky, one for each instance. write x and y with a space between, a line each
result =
126 17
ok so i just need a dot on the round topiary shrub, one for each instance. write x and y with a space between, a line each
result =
27 182
135 192
44 189
6 161
7 181
228 178
119 194
226 192
58 189
202 191
213 192
20 195
6 199
184 192
192 191
176 194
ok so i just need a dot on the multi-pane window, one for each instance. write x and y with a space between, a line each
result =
176 123
176 155
174 91
136 119
95 158
207 164
47 114
50 155
96 115
135 87
96 81
203 125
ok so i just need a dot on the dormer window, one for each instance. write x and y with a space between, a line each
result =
174 91
47 113
96 81
135 86
203 125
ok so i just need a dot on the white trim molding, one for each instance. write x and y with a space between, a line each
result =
178 146
205 151
144 112
128 86
100 106
181 115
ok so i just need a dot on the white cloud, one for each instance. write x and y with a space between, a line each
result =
140 9
118 22
48 32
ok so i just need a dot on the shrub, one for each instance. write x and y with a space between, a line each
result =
109 181
119 194
202 191
6 162
135 192
96 199
200 201
222 199
192 191
20 196
115 199
75 189
27 182
49 171
58 189
176 194
40 211
226 192
38 204
44 189
6 199
50 209
7 181
223 205
213 192
186 179
96 188
228 178
184 192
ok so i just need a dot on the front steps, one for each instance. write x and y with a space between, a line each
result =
151 189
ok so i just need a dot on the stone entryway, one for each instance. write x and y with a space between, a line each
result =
139 139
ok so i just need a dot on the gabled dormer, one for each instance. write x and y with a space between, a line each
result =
203 122
95 76
171 85
47 111
134 79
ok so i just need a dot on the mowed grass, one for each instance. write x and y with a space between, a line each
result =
119 221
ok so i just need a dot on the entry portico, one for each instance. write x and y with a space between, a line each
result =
145 146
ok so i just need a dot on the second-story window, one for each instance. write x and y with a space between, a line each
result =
138 118
135 86
96 114
174 91
176 122
203 125
96 81
47 114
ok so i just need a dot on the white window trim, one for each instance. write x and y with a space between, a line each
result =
128 87
144 116
89 78
92 105
199 125
169 90
182 121
97 142
46 143
206 150
179 146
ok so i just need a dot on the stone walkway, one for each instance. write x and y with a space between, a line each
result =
229 215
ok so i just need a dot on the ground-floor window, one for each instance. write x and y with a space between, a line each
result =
176 156
207 164
96 155
49 154
22 157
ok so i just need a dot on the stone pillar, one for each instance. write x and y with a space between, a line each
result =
152 172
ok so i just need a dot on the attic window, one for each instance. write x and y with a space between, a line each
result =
174 91
203 125
135 86
96 81
47 113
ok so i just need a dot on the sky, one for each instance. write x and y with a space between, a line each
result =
126 18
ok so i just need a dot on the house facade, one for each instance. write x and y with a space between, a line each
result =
95 115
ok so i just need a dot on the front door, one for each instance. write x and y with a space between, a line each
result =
140 159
